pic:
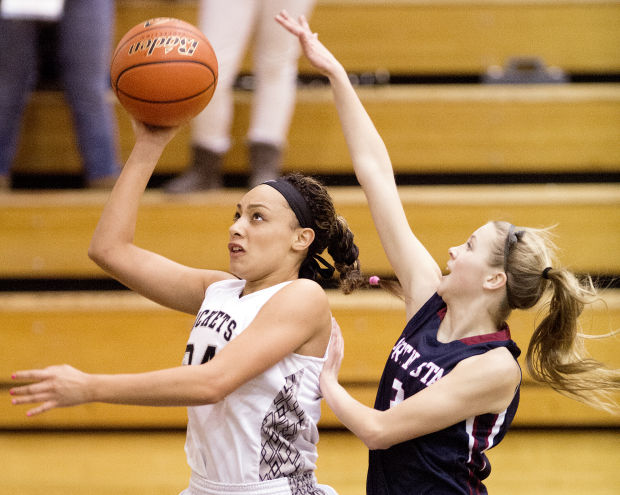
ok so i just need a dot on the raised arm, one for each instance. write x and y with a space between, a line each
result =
296 319
416 270
112 246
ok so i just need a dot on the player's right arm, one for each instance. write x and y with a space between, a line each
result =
294 320
416 270
481 384
112 245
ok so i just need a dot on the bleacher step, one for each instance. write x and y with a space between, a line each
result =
519 129
121 332
442 36
47 234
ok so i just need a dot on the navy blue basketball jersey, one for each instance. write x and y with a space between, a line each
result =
450 461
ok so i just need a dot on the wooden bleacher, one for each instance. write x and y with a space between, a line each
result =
572 128
427 129
435 129
99 332
47 234
442 36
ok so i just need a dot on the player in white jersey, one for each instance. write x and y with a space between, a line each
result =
274 430
253 359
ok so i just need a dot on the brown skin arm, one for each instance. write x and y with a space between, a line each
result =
296 319
112 245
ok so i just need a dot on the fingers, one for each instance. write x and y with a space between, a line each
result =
33 397
335 327
297 27
30 399
339 344
46 406
336 335
286 21
336 343
34 375
33 389
285 17
28 394
38 376
304 23
33 393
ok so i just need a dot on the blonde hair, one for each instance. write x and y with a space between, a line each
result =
556 353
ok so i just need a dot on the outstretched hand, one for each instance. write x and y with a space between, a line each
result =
335 353
316 53
55 386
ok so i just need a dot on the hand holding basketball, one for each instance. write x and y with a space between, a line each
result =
157 136
164 71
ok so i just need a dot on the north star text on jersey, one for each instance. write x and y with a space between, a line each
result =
406 356
218 320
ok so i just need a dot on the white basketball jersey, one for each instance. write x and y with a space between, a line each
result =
265 429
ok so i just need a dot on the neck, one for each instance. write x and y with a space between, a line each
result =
466 320
267 281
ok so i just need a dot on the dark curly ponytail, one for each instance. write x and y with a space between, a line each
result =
331 232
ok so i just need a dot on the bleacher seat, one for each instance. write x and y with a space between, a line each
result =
100 333
457 127
47 234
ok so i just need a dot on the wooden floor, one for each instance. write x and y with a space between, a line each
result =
528 462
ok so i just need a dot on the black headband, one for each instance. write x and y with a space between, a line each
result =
311 265
294 199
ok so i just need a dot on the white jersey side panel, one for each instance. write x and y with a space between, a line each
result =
265 429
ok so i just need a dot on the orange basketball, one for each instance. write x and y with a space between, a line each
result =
164 71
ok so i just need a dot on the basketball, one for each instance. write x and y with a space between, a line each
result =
164 71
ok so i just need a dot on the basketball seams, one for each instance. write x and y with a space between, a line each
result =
167 102
214 80
154 91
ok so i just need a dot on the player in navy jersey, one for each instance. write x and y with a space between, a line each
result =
450 388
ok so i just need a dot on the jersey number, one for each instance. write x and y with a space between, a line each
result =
398 393
189 354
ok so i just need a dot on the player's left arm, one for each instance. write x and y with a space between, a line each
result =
477 385
295 319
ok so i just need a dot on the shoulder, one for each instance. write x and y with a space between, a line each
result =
304 293
433 305
300 313
497 367
498 360
307 285
487 382
302 301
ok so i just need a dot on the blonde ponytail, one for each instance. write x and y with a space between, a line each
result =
556 353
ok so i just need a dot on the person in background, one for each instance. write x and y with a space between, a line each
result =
83 43
230 26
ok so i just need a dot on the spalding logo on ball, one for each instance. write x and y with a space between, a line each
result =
164 71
